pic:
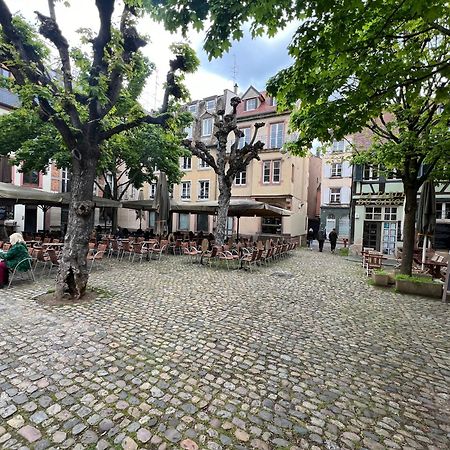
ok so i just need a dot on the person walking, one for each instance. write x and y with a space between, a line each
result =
310 238
321 236
333 239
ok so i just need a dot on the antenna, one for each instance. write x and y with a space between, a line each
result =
235 72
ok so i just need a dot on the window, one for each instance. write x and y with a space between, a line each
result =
272 171
271 225
211 105
152 219
276 135
152 190
185 190
31 178
335 195
276 171
202 222
192 109
392 175
65 180
338 146
251 104
370 172
183 221
336 170
273 101
186 163
241 178
244 139
390 213
202 164
203 190
207 126
189 131
442 210
373 213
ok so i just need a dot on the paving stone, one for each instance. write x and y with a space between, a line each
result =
316 360
30 433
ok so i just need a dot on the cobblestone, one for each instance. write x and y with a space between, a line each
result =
177 355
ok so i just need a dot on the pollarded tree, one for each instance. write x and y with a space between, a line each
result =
80 104
226 163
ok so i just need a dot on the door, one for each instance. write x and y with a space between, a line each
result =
331 223
30 219
372 235
202 222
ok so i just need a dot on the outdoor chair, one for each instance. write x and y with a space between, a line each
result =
140 251
22 268
97 256
249 260
158 251
266 256
374 261
209 255
194 253
365 253
126 249
226 256
114 249
41 258
53 259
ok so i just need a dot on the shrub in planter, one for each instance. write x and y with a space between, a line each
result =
380 278
418 286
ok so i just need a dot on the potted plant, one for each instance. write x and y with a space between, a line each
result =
418 285
380 277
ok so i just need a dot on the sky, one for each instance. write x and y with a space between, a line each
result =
248 61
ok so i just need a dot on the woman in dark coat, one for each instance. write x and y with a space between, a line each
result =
17 253
333 238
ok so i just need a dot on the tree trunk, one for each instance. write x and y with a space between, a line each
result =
114 220
222 213
73 274
409 228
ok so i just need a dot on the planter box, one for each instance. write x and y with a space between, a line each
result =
424 289
380 279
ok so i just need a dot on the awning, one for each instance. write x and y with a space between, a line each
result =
238 207
10 194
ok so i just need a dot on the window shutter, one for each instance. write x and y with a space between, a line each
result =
327 170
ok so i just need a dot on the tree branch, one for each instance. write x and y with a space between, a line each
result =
156 120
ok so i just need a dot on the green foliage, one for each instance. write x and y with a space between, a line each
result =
343 251
415 279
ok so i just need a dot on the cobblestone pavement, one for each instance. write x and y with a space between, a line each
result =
302 354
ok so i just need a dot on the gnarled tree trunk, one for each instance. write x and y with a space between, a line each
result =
409 228
222 214
73 272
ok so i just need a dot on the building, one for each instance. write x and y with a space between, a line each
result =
278 178
336 187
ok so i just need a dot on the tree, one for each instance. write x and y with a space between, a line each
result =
354 61
80 102
226 164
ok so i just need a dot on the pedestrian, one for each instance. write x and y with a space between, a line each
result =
310 238
15 255
333 238
321 236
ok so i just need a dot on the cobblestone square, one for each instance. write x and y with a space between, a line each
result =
302 354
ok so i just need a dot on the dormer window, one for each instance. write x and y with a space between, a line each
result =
211 105
251 104
192 109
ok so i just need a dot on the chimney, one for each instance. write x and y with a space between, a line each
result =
235 88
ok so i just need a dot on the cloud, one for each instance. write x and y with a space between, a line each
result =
251 61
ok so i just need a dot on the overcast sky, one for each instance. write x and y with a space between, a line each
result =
248 61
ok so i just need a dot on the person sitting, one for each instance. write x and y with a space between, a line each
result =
10 259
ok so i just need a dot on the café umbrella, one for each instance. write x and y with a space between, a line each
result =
162 203
426 215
